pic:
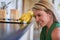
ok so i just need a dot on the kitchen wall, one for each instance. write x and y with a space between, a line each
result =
7 28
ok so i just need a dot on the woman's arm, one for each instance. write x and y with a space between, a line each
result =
56 34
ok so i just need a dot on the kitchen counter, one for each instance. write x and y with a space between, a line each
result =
17 34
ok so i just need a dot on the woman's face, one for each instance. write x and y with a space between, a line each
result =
42 18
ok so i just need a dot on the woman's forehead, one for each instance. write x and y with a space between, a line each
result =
38 12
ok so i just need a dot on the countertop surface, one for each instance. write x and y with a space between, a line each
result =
17 34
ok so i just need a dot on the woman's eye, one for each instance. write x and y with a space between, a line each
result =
39 15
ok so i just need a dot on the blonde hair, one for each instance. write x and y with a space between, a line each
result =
46 6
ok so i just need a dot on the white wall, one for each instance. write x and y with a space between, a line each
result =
57 8
20 2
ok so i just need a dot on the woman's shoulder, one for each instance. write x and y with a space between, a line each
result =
56 31
56 34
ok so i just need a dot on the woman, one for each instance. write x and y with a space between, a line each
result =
46 18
